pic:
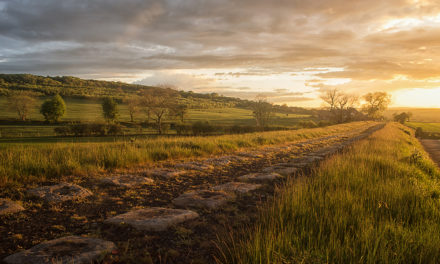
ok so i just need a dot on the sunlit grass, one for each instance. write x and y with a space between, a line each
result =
26 163
427 127
376 203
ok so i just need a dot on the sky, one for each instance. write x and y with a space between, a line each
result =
287 50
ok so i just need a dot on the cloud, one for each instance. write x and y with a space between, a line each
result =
178 80
393 42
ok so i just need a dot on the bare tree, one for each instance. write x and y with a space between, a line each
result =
179 110
158 106
340 105
133 105
22 102
262 111
376 104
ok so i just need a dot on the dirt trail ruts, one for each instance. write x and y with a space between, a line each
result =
190 242
432 146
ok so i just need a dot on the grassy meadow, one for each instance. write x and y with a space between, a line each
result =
88 110
26 163
427 127
376 203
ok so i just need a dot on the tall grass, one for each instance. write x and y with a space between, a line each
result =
377 203
26 163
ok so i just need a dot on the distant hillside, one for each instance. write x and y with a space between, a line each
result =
73 87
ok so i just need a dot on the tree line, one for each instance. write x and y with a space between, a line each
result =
343 107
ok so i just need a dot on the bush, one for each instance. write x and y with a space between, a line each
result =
419 132
115 129
307 124
182 129
62 131
200 128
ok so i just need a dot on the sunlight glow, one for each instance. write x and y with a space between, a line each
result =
429 98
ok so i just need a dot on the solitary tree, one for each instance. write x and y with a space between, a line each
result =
402 117
158 105
22 102
53 109
262 111
133 105
376 104
110 109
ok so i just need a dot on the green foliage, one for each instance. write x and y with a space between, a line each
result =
53 109
110 109
402 117
376 203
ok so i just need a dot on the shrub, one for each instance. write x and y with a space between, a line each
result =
115 129
419 132
202 128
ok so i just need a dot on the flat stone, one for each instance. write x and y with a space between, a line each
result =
255 155
9 207
154 218
203 199
127 180
194 166
60 192
237 187
166 173
260 177
65 250
283 170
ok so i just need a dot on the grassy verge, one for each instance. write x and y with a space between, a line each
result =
377 203
26 163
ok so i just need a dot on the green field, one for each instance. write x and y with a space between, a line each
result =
376 203
86 110
25 163
427 127
419 114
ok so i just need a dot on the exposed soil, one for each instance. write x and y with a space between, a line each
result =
191 242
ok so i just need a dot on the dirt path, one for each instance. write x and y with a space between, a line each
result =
432 146
188 242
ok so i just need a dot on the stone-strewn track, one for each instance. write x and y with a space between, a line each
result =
169 214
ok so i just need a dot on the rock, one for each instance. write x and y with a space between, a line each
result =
260 177
71 249
127 180
221 160
203 199
154 218
283 170
255 155
60 192
9 207
167 173
237 187
194 166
